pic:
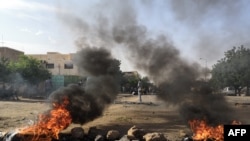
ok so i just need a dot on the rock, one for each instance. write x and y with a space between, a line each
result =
99 138
64 136
2 135
113 135
124 138
187 139
77 133
94 132
136 132
182 133
154 137
10 136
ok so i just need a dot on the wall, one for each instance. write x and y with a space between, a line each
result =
58 64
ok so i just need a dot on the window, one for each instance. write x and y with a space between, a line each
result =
50 66
68 66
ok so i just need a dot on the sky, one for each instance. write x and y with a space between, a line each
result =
197 28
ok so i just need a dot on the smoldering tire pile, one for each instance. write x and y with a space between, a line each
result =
94 134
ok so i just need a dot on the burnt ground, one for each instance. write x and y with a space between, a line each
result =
152 115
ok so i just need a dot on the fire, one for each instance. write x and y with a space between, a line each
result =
51 123
202 131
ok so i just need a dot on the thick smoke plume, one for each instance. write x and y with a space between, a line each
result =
87 103
116 25
223 31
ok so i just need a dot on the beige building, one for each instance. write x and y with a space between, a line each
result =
57 64
10 53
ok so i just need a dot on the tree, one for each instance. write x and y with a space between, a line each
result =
233 70
130 82
146 83
4 70
30 69
114 70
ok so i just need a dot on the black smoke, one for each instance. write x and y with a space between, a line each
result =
216 22
116 25
211 108
87 103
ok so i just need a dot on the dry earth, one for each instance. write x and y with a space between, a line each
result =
152 115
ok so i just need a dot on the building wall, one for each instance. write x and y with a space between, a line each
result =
58 64
10 53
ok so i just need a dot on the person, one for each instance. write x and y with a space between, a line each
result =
139 85
10 91
150 90
80 83
48 86
123 89
15 90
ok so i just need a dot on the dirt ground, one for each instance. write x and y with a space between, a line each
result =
152 115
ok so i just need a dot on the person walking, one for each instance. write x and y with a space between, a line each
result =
139 85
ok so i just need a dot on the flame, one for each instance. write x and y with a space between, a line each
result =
202 131
52 123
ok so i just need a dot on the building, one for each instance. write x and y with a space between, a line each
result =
131 73
10 53
57 64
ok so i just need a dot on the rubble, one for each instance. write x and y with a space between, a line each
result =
154 137
77 133
113 135
94 134
136 132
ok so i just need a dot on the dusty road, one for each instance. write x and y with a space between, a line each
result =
153 115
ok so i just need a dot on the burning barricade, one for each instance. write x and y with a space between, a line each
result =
48 126
202 131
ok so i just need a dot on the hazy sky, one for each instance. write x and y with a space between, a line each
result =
198 28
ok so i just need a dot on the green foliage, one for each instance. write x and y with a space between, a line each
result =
131 81
233 69
145 82
30 69
114 68
4 69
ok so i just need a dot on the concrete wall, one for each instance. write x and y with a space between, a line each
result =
58 64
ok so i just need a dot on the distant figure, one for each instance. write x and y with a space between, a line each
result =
80 83
48 86
139 85
15 87
11 92
123 89
150 90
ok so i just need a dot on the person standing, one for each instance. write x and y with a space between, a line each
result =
48 86
80 83
139 85
15 87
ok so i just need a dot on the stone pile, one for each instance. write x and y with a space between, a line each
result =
133 134
95 134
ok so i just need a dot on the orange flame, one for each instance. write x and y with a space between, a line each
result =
52 123
202 131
